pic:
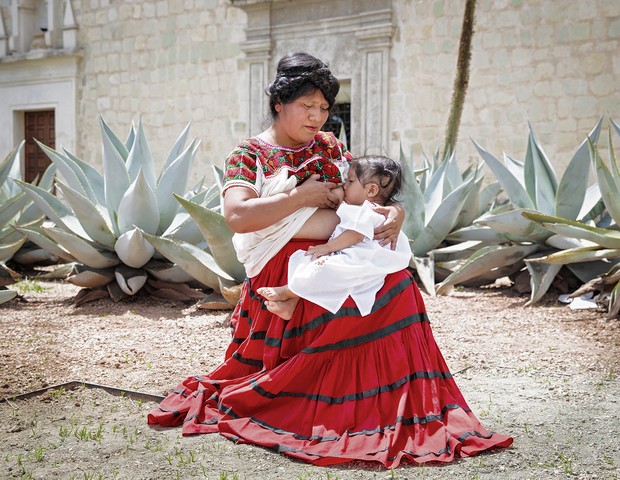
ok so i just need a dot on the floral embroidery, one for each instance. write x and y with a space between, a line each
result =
320 156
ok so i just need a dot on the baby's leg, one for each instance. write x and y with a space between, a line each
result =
276 294
283 308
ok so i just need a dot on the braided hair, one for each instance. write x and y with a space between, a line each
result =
384 171
298 74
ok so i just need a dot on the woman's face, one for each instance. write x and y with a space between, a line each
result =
300 120
354 192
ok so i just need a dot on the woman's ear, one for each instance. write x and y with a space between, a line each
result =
278 106
372 190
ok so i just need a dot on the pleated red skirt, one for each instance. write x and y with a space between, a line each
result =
332 388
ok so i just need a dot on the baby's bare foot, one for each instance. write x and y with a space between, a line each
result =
283 309
275 294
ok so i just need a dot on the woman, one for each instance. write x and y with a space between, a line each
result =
325 388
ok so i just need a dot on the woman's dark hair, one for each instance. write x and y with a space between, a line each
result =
298 74
384 171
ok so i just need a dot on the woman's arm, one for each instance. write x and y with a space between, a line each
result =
245 212
389 230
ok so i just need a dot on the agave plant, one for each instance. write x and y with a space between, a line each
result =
439 198
101 220
16 209
218 266
510 236
597 248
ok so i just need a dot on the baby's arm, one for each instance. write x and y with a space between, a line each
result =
345 239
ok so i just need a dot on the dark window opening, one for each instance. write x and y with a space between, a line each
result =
340 114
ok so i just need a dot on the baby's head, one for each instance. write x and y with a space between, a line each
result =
381 176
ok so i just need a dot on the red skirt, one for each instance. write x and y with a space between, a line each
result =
332 388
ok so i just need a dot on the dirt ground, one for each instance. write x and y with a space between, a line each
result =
547 375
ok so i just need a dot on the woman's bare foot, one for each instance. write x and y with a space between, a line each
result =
282 308
276 294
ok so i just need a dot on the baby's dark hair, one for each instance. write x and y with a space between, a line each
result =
384 171
298 74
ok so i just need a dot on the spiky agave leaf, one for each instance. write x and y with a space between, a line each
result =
138 207
133 249
81 249
6 295
37 236
609 186
540 179
115 176
140 158
218 236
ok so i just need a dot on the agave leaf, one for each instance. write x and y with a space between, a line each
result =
6 295
138 207
6 165
177 148
434 193
578 255
488 196
81 249
562 242
141 159
54 209
425 266
168 272
515 167
570 228
130 280
571 191
471 208
592 206
514 222
612 158
442 222
485 234
133 249
219 237
413 203
198 263
96 226
183 228
540 179
510 184
87 277
173 180
121 148
7 250
10 208
610 189
72 173
452 178
115 175
37 236
93 177
484 260
541 277
456 252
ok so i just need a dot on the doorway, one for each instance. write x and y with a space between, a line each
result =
39 125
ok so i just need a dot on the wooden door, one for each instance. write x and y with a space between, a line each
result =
39 125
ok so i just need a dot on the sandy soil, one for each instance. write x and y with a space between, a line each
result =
546 375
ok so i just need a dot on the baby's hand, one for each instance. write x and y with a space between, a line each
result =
318 251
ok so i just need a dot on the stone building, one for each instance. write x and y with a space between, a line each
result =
64 63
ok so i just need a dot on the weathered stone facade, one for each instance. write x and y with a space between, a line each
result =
554 63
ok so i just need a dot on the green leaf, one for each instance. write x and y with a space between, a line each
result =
578 255
114 141
93 177
442 222
541 277
177 148
7 250
7 164
14 205
515 224
413 203
570 228
196 262
92 219
55 210
6 295
138 207
82 250
571 191
173 180
141 159
115 175
133 249
510 184
37 236
540 179
219 237
484 260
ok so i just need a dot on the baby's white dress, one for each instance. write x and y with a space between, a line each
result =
357 271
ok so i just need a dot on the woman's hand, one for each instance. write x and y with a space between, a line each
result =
317 193
387 233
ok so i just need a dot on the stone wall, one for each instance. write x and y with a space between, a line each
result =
166 63
553 63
